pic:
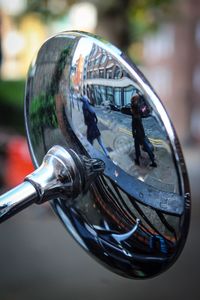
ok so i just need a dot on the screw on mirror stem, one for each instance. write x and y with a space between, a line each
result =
62 174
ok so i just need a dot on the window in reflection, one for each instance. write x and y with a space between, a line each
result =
117 96
128 92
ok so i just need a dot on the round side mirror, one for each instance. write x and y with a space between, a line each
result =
84 94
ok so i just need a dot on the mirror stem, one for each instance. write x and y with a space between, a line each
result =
16 199
62 174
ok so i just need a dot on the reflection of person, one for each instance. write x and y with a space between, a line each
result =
91 121
139 133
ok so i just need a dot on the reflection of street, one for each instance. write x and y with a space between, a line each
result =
115 129
164 176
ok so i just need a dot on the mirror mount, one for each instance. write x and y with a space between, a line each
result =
62 174
85 95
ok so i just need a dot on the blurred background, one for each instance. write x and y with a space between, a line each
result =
39 260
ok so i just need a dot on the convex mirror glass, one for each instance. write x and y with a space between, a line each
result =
85 94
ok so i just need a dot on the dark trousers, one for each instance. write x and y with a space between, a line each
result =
146 148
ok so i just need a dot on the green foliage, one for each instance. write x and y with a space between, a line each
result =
42 111
138 16
47 10
11 105
146 16
12 92
42 115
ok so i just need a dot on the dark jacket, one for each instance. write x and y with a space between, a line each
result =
90 120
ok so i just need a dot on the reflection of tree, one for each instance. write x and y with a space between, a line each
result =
43 106
42 115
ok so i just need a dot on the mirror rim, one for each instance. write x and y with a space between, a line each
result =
147 88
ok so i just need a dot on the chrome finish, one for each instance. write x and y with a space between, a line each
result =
134 217
125 236
57 176
62 174
16 199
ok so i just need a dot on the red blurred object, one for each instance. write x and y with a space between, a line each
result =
18 163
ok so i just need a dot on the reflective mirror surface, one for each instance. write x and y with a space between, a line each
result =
83 93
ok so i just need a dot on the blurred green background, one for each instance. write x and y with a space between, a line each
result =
161 36
38 259
11 109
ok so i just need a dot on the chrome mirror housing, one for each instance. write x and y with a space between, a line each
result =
126 199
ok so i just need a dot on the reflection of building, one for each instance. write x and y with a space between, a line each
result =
105 80
78 73
102 65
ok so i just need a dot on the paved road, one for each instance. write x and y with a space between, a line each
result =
116 133
39 260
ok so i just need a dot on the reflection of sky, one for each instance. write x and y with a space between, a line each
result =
83 48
